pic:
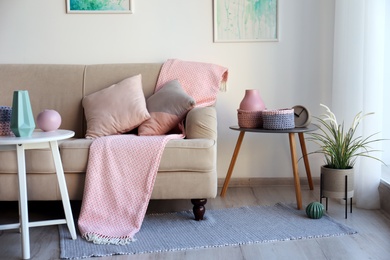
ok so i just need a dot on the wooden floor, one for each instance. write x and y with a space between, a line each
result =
371 242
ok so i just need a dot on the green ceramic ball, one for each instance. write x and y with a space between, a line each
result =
315 210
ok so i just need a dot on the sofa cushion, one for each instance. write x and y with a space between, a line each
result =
167 107
38 161
74 155
50 86
188 155
34 161
115 109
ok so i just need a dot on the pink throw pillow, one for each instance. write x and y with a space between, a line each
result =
116 109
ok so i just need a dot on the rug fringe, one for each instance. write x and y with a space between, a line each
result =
104 240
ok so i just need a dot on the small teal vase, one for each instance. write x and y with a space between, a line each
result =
315 210
22 119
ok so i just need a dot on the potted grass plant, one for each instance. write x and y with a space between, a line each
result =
341 147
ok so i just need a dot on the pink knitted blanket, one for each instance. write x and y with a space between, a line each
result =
122 168
202 81
119 182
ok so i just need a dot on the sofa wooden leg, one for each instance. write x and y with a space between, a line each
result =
199 208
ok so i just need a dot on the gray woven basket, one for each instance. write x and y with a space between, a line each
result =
278 119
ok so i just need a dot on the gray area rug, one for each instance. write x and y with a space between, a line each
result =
224 227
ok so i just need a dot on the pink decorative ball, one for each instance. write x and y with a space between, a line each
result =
49 120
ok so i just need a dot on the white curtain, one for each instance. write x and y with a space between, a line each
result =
358 82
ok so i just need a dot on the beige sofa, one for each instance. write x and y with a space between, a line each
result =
188 166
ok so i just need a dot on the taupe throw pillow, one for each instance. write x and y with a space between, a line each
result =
167 107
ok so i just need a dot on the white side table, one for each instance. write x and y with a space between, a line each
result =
38 140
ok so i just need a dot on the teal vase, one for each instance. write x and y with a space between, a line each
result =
22 119
315 210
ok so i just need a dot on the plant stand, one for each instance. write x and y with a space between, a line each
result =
345 197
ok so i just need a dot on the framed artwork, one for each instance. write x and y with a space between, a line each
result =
99 6
245 20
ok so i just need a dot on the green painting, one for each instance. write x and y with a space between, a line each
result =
99 6
245 20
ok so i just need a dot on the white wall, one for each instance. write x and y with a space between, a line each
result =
386 104
295 70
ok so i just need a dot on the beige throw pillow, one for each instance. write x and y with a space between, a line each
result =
116 109
167 107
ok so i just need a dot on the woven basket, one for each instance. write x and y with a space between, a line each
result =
249 119
278 119
5 120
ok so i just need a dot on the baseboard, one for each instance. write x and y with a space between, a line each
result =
384 193
254 182
384 187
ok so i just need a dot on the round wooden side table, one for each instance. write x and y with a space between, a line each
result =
291 135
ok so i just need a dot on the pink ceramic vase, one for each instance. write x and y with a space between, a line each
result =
252 101
49 120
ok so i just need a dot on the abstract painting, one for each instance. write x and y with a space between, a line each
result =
245 20
99 6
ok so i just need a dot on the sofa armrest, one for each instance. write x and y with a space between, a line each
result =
201 122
